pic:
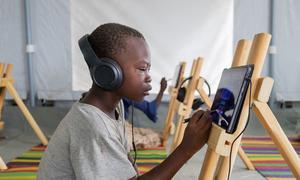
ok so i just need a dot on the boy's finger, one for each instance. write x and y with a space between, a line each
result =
197 116
205 118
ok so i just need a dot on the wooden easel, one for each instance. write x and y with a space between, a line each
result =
185 108
6 83
219 143
173 105
240 58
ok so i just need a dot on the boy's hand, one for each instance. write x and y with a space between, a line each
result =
163 84
197 132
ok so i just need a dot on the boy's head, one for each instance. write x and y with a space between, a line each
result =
109 39
128 48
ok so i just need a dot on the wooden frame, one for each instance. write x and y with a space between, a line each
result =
240 58
219 147
173 105
6 84
185 108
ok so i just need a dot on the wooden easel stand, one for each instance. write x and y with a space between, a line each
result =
261 91
6 83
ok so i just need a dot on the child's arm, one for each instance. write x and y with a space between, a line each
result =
163 86
150 108
195 136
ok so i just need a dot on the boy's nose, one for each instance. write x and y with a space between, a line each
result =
148 79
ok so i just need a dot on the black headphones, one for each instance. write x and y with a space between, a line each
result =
182 92
105 72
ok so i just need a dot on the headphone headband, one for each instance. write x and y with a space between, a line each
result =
88 53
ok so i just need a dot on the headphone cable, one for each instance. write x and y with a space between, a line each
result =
248 118
208 86
186 79
133 144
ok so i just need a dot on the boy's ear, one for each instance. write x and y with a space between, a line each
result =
105 72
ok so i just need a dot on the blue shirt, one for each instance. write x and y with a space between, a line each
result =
149 108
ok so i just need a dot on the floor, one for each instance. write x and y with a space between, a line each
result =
19 137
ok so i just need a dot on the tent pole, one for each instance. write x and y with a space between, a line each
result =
29 52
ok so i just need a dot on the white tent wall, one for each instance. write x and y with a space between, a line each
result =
251 17
12 42
202 28
174 33
51 30
254 16
51 38
287 58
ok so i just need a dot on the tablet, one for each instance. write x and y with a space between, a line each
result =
176 77
230 97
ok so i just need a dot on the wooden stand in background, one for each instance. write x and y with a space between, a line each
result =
185 108
6 83
173 105
240 58
220 142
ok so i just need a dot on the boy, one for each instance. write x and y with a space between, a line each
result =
90 142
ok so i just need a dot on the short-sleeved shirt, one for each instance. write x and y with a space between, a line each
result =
87 144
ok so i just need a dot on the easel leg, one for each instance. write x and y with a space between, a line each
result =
168 122
177 132
209 165
224 161
175 136
270 123
2 89
2 96
245 159
2 164
26 113
180 134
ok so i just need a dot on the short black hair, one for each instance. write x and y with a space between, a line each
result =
108 39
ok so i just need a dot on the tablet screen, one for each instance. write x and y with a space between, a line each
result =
176 77
225 109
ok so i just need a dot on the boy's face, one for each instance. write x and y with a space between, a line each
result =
135 63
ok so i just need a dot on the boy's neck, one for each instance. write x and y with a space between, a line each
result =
104 100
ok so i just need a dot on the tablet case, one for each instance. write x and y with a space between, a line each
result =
230 96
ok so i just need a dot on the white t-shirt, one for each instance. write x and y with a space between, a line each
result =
87 144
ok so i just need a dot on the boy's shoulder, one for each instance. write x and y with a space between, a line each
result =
86 117
83 117
86 113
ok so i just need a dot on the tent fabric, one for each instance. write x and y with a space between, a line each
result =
254 16
173 33
12 42
286 40
201 28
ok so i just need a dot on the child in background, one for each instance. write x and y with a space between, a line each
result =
149 108
90 141
144 137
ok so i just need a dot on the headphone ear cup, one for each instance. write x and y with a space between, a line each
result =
181 94
197 103
107 74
